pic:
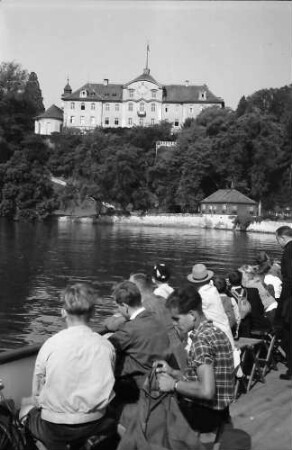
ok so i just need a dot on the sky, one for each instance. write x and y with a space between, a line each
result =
235 47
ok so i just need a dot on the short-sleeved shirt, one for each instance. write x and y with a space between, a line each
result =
210 345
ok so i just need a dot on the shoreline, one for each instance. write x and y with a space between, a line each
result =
207 221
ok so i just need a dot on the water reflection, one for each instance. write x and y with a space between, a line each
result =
38 260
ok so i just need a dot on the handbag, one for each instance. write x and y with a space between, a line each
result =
159 423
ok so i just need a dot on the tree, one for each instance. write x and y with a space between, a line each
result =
33 93
12 78
27 190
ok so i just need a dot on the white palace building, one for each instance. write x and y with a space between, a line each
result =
140 102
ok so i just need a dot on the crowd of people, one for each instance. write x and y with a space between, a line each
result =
84 383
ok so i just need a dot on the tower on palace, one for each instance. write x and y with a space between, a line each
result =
142 101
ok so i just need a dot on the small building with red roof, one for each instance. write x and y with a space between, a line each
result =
228 201
51 121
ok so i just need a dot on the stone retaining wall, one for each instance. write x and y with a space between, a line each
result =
182 220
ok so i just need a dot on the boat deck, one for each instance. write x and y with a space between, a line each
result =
265 412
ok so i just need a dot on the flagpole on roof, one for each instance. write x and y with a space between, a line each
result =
147 55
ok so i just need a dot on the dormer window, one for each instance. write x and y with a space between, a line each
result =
83 106
203 95
83 93
131 93
92 94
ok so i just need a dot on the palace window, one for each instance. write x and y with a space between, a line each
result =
92 106
72 120
116 121
72 105
153 93
117 107
131 93
82 120
83 106
176 122
153 107
106 121
152 121
166 108
141 122
92 121
130 107
191 110
234 209
130 121
142 107
107 107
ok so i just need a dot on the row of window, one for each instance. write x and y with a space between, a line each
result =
85 93
92 121
130 107
213 209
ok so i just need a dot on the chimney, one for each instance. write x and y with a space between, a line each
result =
187 82
105 81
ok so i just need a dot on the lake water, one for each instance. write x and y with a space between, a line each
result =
38 260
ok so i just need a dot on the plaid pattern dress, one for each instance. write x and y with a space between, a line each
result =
210 345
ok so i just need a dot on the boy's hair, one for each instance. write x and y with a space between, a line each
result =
235 277
284 231
79 300
220 284
185 299
128 293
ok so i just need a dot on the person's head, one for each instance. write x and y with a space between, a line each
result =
142 281
235 278
128 297
185 306
160 273
220 284
200 275
284 235
78 302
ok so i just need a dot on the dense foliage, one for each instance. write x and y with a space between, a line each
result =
249 149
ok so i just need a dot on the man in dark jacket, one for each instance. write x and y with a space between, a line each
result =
284 238
140 341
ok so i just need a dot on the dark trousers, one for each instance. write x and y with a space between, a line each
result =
201 418
57 436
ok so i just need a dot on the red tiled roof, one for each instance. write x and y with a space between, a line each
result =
110 92
228 196
53 112
188 94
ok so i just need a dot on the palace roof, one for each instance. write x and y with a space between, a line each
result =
100 92
145 76
188 94
228 196
53 112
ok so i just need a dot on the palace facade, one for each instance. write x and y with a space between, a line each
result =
140 102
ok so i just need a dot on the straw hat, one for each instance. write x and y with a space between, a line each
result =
200 274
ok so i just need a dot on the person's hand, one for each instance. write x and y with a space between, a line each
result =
165 382
114 322
162 367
